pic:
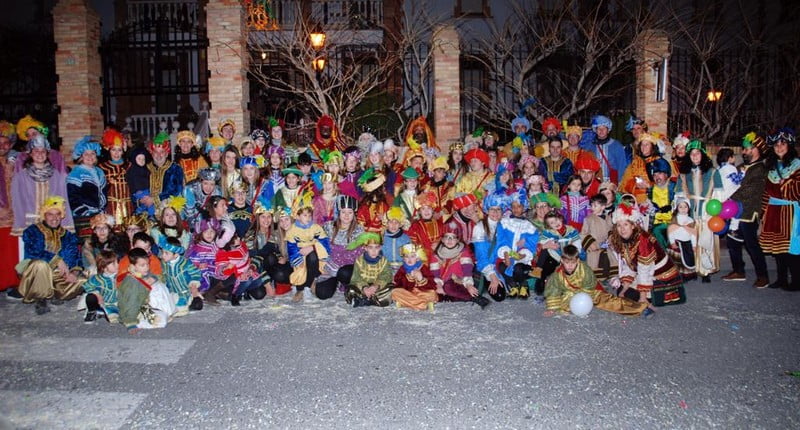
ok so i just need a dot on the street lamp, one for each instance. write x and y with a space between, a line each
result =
714 95
317 38
318 64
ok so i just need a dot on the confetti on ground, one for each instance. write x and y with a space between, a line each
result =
796 373
683 405
734 327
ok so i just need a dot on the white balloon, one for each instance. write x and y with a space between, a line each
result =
581 304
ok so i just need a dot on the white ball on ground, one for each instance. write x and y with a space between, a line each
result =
581 304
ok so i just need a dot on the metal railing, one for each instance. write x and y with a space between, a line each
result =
332 14
179 13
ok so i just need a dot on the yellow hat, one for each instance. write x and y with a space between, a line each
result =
53 203
413 249
440 163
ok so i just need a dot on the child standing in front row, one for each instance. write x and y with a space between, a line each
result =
101 289
144 301
574 203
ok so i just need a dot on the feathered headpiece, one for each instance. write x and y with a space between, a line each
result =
177 203
86 143
215 142
274 122
207 223
575 129
521 119
112 139
627 212
363 239
396 214
681 139
634 121
371 180
552 121
27 122
328 157
427 198
256 161
8 130
753 140
53 203
302 201
101 219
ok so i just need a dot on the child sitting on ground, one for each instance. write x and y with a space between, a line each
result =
234 260
181 276
595 231
144 301
308 248
413 283
371 283
101 289
573 276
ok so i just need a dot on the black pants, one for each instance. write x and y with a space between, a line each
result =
327 288
788 263
548 264
278 272
749 231
312 270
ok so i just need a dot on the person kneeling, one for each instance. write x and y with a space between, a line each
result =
371 283
574 276
144 301
413 282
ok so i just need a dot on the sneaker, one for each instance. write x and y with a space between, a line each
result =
430 307
523 293
91 316
308 294
513 292
197 304
13 294
761 283
734 276
648 313
236 300
538 300
41 307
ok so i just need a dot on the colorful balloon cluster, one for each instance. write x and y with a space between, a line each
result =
721 213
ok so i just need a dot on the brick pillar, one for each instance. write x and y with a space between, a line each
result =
446 84
228 61
655 113
76 28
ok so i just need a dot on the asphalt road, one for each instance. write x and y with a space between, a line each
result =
720 360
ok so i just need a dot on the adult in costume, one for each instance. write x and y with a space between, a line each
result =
51 265
607 150
198 192
118 194
479 180
8 246
326 136
781 205
166 177
188 156
85 185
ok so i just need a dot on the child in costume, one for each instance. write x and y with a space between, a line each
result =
451 265
682 237
427 230
181 276
101 289
483 242
239 210
374 206
86 184
203 254
144 301
552 241
233 260
414 286
574 203
574 276
406 199
371 283
394 237
596 227
308 248
514 250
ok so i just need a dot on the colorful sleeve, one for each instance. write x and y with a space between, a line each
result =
562 176
34 244
69 251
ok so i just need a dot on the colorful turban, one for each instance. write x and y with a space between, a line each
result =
86 143
225 122
112 139
28 122
601 121
53 203
551 121
215 142
8 130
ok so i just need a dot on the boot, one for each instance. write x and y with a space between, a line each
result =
196 305
210 296
481 301
236 300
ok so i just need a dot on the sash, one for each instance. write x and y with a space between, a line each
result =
794 244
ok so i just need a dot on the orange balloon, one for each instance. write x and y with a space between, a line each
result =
716 223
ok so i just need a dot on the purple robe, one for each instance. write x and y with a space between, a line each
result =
25 203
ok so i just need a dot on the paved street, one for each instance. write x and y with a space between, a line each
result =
720 360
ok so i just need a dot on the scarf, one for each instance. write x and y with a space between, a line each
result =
41 174
450 253
375 260
304 226
394 235
412 267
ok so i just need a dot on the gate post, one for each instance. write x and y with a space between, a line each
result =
76 29
446 84
228 62
649 74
